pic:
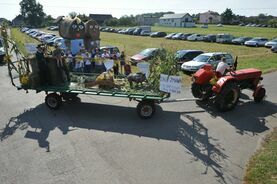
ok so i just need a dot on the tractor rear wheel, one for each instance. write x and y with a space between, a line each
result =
260 95
196 90
228 98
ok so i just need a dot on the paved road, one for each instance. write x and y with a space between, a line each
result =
101 140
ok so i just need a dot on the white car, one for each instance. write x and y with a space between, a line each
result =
206 58
271 43
256 42
196 37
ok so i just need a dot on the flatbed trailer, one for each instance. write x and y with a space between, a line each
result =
56 94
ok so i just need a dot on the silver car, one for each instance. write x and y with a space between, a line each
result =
2 50
271 43
206 58
274 48
256 42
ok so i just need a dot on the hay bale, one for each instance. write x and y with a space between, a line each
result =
72 28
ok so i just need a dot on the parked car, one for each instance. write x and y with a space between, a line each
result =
145 33
206 58
271 43
195 37
219 25
53 41
177 36
186 35
256 42
130 31
158 34
204 26
109 48
2 50
47 37
274 48
170 36
224 38
145 55
182 56
240 40
209 38
137 31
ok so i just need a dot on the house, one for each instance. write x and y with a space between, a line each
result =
209 17
100 18
177 20
147 20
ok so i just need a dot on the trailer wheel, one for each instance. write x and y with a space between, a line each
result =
146 109
53 101
69 96
228 98
260 95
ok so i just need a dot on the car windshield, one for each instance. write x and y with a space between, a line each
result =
147 52
180 54
172 34
274 40
256 39
202 58
178 34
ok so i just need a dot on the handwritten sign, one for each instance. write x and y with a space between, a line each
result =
170 84
108 64
144 68
31 48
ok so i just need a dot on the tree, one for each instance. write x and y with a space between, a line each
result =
72 15
227 16
112 22
32 12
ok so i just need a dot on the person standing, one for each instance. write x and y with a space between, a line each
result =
122 61
42 66
87 63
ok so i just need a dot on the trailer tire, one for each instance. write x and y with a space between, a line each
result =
228 98
69 96
146 109
260 95
53 101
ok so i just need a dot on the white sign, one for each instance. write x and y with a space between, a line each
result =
144 68
108 64
170 84
31 48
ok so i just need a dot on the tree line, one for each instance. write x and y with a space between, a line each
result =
33 14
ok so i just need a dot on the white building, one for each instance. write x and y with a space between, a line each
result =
209 17
177 20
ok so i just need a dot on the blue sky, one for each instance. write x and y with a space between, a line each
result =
9 9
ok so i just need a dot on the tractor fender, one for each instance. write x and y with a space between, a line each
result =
221 83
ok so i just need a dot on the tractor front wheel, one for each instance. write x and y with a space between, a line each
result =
260 94
228 98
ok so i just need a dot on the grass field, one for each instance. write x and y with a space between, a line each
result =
20 40
262 167
260 58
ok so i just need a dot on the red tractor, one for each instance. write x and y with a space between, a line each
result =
224 91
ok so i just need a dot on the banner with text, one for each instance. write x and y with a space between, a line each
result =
170 84
144 68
